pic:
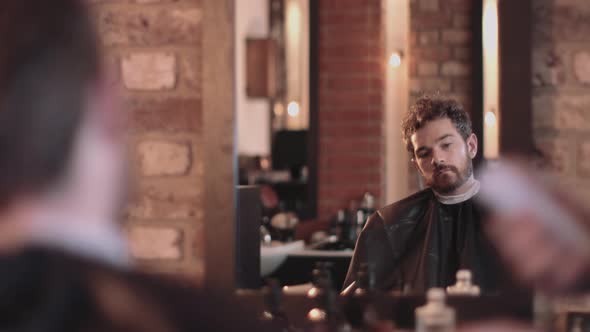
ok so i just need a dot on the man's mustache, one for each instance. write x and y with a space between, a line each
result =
442 168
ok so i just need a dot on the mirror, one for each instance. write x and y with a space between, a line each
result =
358 95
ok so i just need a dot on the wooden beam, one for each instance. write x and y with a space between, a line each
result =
515 47
218 143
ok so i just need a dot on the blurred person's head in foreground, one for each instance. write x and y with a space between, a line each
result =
61 138
61 184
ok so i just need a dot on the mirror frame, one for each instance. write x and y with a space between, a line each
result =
313 135
220 169
219 130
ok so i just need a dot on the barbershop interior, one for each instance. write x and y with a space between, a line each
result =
333 165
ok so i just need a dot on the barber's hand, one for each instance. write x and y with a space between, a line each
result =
537 255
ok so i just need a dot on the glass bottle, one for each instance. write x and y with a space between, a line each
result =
327 316
464 285
435 315
273 317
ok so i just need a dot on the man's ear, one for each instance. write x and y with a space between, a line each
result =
472 145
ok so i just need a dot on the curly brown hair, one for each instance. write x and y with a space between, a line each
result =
428 108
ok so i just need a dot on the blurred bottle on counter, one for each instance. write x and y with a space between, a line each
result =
464 285
347 224
368 205
365 280
358 213
321 279
337 223
435 315
361 305
349 228
326 316
273 318
359 222
265 237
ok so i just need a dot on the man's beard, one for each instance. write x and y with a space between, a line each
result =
442 182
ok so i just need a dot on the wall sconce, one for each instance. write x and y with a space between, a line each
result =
278 109
395 59
490 118
293 109
491 135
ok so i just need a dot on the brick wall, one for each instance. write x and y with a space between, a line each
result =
561 78
440 48
153 50
351 76
440 53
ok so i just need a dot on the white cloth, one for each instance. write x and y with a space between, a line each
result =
472 189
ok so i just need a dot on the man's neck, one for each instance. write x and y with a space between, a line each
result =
469 189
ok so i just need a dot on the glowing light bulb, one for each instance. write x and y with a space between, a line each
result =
395 60
490 119
316 315
278 109
293 109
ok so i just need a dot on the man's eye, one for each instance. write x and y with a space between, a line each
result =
446 145
422 155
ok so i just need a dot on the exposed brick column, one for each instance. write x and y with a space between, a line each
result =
351 76
153 49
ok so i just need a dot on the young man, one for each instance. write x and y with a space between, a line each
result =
422 240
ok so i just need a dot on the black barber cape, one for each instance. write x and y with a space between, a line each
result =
418 243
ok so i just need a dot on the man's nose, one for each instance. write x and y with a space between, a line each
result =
437 158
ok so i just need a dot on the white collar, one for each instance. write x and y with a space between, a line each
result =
472 190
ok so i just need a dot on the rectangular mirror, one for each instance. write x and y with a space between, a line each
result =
318 123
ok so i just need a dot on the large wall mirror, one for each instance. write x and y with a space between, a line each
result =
299 62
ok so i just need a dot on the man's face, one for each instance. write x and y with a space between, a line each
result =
442 156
